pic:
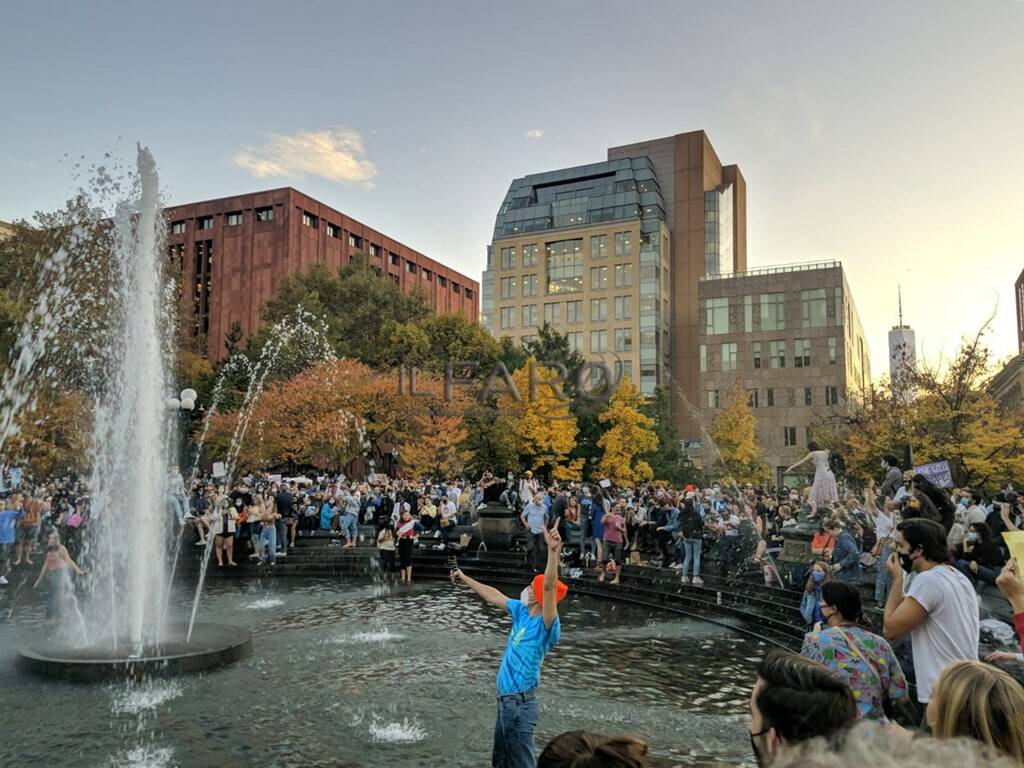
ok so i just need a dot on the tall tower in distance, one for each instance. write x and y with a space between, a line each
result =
902 352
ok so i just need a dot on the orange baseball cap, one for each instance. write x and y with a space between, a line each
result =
561 589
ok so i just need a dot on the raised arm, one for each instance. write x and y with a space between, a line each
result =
549 611
794 466
493 596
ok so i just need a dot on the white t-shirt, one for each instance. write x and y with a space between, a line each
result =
883 525
950 633
976 514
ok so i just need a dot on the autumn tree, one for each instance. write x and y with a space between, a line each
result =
628 435
54 435
434 341
734 433
438 450
950 417
539 416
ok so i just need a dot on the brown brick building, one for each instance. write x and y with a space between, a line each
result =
234 252
792 337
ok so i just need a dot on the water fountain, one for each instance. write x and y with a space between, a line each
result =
123 629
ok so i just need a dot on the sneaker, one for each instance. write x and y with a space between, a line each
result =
686 579
201 543
189 516
698 581
676 566
437 534
282 554
4 581
439 546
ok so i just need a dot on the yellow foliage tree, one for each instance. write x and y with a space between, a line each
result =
734 432
54 436
544 428
629 435
437 449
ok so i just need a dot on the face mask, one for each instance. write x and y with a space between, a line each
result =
907 562
818 577
524 596
964 502
971 537
756 750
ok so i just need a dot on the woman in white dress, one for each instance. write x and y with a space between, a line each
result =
823 489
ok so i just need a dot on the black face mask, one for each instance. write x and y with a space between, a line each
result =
761 762
907 562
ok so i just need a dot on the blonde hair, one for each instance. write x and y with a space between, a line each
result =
981 702
871 744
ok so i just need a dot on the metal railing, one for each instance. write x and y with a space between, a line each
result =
776 270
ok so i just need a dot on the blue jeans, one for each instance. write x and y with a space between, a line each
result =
281 533
883 581
691 553
513 731
985 574
268 543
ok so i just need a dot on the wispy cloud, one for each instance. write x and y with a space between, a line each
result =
332 155
534 133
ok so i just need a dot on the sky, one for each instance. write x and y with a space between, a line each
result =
887 135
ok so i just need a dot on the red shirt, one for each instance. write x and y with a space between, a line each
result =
614 524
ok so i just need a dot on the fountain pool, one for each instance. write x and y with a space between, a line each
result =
365 674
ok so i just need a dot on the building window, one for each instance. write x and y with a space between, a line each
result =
410 267
831 395
748 314
565 266
839 306
716 316
553 313
623 339
393 258
752 399
427 274
309 220
508 258
575 340
233 219
508 317
574 311
808 396
769 396
508 287
729 356
598 278
598 246
469 294
598 310
813 308
333 230
529 315
623 275
757 354
831 350
530 285
703 358
623 307
204 222
530 253
777 354
623 368
265 214
712 398
622 244
177 227
456 288
789 436
375 251
599 341
355 241
773 311
801 353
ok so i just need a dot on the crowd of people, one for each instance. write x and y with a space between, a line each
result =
914 555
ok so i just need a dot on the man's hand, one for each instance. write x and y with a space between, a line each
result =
552 537
455 574
973 566
893 566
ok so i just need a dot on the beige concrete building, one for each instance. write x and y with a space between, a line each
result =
792 337
612 253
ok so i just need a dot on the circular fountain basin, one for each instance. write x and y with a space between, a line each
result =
211 645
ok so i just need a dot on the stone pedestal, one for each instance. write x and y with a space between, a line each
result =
497 524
